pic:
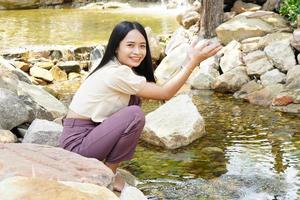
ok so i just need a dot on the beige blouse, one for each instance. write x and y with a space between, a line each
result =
106 91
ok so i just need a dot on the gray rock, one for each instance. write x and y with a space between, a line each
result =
247 88
231 81
43 132
42 98
272 77
281 54
292 80
13 111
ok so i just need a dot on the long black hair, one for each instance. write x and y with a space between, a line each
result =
118 34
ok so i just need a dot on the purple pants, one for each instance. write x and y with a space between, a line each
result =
113 140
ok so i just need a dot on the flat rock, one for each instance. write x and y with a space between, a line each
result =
49 162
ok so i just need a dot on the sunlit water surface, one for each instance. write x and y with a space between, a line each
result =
75 27
248 152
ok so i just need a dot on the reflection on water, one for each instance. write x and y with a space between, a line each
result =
244 145
70 26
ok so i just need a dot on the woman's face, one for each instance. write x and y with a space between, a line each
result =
132 49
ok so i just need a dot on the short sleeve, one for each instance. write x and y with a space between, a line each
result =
126 81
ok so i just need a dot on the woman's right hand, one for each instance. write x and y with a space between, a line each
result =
200 51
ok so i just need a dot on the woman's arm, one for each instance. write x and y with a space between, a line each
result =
196 54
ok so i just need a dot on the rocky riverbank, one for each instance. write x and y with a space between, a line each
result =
259 63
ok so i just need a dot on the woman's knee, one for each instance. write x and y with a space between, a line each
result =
138 114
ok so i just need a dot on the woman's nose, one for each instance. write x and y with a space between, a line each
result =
136 50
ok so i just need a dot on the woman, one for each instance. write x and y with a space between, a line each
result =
104 120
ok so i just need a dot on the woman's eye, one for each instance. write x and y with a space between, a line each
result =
143 46
130 45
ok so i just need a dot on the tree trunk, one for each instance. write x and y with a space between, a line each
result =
211 17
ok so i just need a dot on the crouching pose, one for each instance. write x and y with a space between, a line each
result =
105 120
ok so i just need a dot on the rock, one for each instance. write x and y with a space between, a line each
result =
83 53
34 188
45 65
15 4
272 77
240 7
6 66
73 75
41 73
54 163
96 56
207 74
190 18
292 79
274 37
250 44
175 124
179 37
257 63
69 66
43 132
22 66
58 74
295 42
42 98
264 96
128 177
247 88
132 193
6 136
282 100
271 5
231 81
8 80
154 44
290 108
281 54
13 111
64 90
232 56
171 64
251 24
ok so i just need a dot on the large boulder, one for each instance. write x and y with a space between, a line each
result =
54 163
175 124
251 24
34 188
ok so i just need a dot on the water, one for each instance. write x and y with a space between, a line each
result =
249 152
73 26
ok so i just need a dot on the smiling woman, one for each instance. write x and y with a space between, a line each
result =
104 120
132 49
